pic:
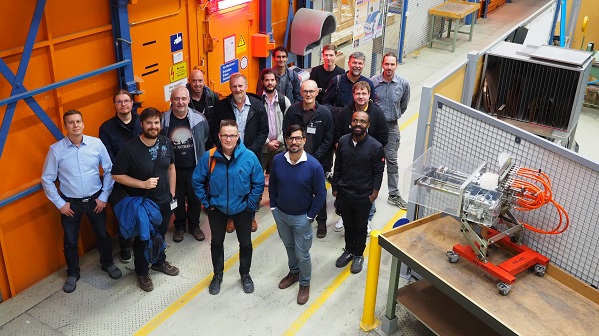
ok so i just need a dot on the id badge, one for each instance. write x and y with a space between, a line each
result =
311 130
173 204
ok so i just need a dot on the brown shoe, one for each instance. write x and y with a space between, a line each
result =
254 225
145 283
178 235
321 231
288 280
303 294
166 268
198 234
230 226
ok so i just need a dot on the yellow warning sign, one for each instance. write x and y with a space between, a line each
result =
241 46
178 71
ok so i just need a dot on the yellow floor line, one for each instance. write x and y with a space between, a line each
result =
199 287
320 300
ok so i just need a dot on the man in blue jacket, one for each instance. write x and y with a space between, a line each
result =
228 182
294 212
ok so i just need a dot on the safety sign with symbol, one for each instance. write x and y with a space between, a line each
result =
178 71
176 42
241 46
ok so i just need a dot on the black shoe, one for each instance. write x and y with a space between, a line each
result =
321 231
178 235
356 265
214 287
198 234
70 284
126 256
247 283
113 271
344 259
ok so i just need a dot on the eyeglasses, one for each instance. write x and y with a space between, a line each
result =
228 136
295 139
310 92
119 102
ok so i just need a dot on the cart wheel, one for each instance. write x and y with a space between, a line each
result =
453 257
504 289
540 270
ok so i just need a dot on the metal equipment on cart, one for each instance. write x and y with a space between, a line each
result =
484 202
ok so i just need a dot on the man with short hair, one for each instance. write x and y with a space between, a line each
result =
202 99
188 131
250 115
357 178
229 181
114 133
288 81
276 105
75 162
339 90
145 167
393 96
322 74
317 121
294 212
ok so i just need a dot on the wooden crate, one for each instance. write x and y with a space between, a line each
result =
591 98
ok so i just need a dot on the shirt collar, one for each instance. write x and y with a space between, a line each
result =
302 158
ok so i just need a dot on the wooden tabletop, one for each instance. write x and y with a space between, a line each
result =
454 10
534 306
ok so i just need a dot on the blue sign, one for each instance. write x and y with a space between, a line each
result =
176 42
227 69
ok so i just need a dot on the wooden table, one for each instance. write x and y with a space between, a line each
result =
556 304
452 11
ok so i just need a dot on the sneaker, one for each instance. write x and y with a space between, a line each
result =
214 287
321 231
125 256
328 176
397 201
356 265
254 225
178 235
198 234
166 268
266 179
247 283
339 225
145 283
70 284
344 259
113 271
230 226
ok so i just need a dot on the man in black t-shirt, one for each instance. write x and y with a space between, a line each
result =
322 74
145 166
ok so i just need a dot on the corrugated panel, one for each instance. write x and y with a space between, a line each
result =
418 24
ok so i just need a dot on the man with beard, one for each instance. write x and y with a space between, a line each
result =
229 182
145 167
392 95
276 105
322 74
288 82
339 91
251 120
317 122
357 178
294 212
188 131
114 133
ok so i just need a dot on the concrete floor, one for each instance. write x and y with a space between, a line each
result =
181 305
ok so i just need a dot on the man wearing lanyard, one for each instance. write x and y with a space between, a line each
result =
75 162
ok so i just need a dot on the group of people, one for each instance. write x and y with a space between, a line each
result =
220 154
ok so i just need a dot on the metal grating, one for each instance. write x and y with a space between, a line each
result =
419 24
458 129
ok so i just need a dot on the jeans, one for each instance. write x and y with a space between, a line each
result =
139 246
70 226
391 157
355 222
184 190
296 234
371 211
243 228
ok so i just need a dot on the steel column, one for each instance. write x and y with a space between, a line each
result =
122 38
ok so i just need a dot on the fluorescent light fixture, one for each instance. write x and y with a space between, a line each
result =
231 3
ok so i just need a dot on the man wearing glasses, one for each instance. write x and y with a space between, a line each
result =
317 121
114 133
229 182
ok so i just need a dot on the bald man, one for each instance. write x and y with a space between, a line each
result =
188 130
201 98
317 121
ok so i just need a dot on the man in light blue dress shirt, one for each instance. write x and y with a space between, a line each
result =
75 162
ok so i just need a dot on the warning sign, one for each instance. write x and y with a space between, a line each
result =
241 46
178 71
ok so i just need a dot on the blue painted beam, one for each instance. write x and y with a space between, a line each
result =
20 195
402 32
121 33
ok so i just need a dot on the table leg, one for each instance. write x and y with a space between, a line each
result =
389 325
450 21
455 35
472 26
432 32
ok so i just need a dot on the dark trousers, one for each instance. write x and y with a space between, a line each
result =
322 214
184 190
243 229
70 226
355 222
139 246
